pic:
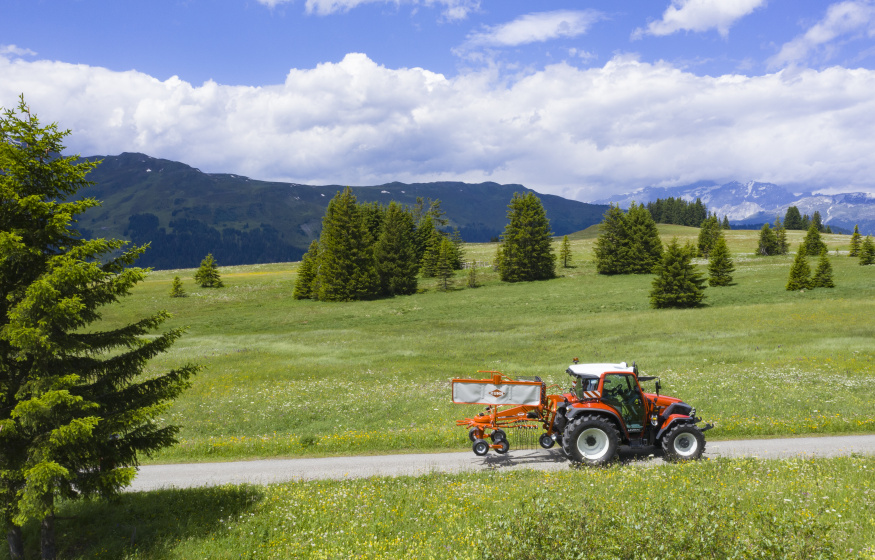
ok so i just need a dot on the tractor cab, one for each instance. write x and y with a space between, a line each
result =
615 385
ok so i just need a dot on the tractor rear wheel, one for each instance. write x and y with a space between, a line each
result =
591 440
683 442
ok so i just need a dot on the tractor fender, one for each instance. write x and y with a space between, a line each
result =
576 410
672 420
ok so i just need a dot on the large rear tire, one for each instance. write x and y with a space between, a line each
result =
591 440
683 442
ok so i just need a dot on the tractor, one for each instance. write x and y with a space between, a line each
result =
604 408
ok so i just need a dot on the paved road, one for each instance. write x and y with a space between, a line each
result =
280 470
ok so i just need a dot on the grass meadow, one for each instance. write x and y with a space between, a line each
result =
286 378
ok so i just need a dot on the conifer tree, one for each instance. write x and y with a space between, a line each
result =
709 232
817 222
207 276
395 253
444 268
307 272
424 235
471 281
726 225
75 411
768 241
800 272
176 289
812 244
428 264
867 251
855 242
458 255
823 274
677 282
645 245
565 252
793 219
720 265
781 237
612 247
527 246
347 270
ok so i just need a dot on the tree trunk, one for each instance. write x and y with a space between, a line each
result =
47 537
16 543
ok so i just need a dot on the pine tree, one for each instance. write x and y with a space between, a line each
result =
444 268
768 242
207 276
781 237
645 246
855 242
76 412
823 274
726 223
709 233
612 247
176 289
867 251
720 265
792 219
347 270
812 244
307 273
800 272
527 247
471 281
677 282
395 253
565 252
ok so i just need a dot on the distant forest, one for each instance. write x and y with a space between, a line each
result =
678 211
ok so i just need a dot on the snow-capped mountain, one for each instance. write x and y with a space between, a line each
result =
754 202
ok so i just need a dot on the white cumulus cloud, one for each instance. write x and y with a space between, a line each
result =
452 9
15 51
700 15
580 133
843 19
533 28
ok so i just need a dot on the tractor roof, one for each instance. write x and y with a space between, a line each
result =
595 370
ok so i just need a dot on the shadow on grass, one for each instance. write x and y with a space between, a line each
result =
148 523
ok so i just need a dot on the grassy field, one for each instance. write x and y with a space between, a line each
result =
296 378
292 378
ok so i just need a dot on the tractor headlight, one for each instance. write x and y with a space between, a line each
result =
654 419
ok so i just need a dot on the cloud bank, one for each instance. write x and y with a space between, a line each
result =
700 15
580 133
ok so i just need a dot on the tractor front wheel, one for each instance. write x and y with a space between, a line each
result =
591 440
683 442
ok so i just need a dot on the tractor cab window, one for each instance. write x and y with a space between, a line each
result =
621 392
582 384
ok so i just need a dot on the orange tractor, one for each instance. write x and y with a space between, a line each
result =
604 408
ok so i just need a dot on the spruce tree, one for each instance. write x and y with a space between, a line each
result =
812 244
444 268
527 247
347 270
207 276
726 225
458 256
565 252
768 241
800 272
677 282
720 265
424 235
823 274
612 247
395 253
428 264
855 242
781 238
645 245
793 219
867 251
307 272
176 289
709 232
75 411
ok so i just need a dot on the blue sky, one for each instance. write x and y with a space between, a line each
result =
581 99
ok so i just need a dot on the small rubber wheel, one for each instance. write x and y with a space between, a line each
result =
480 447
475 434
504 447
546 441
498 435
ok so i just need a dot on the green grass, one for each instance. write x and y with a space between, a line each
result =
738 508
293 378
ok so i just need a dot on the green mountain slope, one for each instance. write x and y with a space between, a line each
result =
185 213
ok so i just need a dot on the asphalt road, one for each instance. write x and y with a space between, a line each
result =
153 477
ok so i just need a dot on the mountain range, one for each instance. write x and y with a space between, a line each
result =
757 203
185 213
